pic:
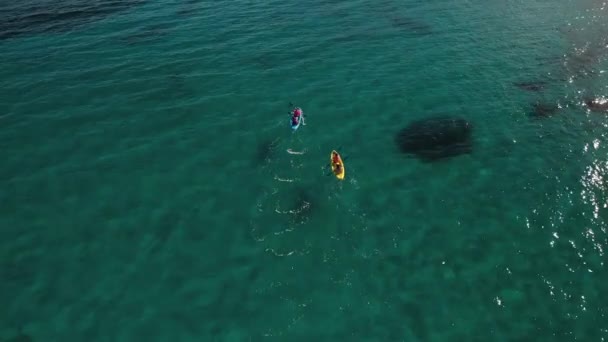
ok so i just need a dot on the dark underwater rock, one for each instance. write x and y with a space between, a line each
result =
20 18
148 33
21 337
582 62
188 8
413 26
436 138
531 86
543 110
597 105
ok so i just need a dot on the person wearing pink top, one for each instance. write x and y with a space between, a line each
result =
296 115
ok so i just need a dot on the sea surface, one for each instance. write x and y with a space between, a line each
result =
152 190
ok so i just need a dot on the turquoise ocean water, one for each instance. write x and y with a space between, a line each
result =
151 189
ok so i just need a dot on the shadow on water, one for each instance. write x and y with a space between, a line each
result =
22 18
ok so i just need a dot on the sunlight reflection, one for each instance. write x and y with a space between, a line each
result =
593 180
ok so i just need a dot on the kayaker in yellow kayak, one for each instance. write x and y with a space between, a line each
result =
336 165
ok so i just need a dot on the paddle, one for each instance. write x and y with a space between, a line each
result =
290 105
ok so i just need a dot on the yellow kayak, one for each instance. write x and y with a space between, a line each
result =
337 166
